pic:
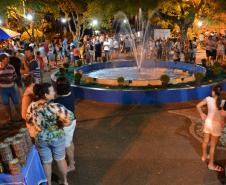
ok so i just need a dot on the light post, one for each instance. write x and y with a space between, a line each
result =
64 21
94 24
30 18
200 24
125 21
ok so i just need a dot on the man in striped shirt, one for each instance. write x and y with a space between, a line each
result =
31 65
7 85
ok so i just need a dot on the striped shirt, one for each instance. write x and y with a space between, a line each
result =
7 76
34 68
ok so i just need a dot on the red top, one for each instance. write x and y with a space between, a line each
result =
40 59
76 52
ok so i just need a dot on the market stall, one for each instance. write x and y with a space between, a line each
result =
7 34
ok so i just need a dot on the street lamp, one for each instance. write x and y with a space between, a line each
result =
94 22
125 21
63 20
1 22
29 17
200 24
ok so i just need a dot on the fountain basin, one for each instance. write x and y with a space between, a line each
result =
141 96
107 73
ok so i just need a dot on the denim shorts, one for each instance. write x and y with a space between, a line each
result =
69 133
54 150
8 93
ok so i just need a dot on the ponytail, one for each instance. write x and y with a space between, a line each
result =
218 92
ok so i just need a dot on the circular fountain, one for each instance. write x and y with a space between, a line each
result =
106 75
139 73
148 75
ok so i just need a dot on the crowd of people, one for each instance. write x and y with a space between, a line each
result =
49 109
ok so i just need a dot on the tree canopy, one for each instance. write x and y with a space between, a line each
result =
79 13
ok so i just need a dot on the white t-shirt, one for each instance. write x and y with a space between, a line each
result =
42 51
106 46
182 57
115 44
110 42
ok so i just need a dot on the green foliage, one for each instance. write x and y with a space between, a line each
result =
120 80
217 69
165 80
62 71
104 59
79 63
199 77
77 78
66 65
203 61
217 64
184 12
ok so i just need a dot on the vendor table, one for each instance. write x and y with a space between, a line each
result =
31 174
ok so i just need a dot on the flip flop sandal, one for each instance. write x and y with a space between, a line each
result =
216 168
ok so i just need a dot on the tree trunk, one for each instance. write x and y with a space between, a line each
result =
183 31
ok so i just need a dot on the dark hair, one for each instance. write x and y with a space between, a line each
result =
62 86
40 90
29 48
224 106
2 57
218 92
38 53
28 80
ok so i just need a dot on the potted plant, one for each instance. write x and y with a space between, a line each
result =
77 78
165 80
62 71
104 59
216 69
79 63
199 77
204 61
121 81
66 66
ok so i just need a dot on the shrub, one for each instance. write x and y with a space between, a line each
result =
79 63
104 59
199 77
217 70
77 78
204 62
62 71
165 80
66 65
217 64
121 81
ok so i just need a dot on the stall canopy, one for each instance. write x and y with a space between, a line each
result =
7 34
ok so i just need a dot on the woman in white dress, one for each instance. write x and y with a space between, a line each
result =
213 125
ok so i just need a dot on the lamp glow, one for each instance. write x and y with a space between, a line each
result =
200 23
94 22
29 17
63 20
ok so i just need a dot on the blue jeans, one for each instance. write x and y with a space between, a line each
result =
51 150
8 93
